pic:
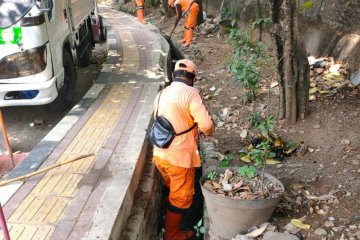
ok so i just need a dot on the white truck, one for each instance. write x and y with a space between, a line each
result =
38 40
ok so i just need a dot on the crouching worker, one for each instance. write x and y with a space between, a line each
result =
189 8
182 105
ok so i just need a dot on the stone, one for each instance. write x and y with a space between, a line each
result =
242 237
320 232
279 236
353 227
317 126
208 28
329 224
345 142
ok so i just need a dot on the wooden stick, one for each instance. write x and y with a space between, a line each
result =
6 138
3 183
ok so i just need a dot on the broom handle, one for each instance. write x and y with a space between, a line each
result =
3 183
6 138
177 21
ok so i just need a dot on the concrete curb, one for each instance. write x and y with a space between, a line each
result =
117 203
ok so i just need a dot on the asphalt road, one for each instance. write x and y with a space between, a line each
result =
20 120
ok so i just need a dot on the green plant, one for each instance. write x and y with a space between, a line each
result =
307 5
247 57
202 152
263 125
199 229
247 171
225 13
212 175
262 151
225 162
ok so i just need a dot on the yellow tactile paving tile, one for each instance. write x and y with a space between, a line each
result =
131 57
40 211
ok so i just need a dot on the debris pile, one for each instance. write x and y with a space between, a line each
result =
327 76
231 184
209 26
281 149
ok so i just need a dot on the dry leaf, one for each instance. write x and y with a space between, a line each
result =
246 158
272 161
313 90
258 232
298 223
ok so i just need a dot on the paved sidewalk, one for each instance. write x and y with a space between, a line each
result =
90 198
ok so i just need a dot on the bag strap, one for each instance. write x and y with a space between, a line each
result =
188 10
176 134
186 131
158 104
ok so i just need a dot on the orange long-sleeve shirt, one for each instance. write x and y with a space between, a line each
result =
183 106
185 4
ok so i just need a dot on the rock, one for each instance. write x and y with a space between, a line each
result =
292 131
243 133
353 227
319 70
345 142
279 236
355 79
207 28
317 126
320 232
329 224
242 237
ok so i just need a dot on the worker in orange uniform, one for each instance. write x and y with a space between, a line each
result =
140 11
191 9
183 106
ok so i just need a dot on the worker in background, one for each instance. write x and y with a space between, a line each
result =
184 107
189 8
140 11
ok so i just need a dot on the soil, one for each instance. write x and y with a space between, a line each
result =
331 131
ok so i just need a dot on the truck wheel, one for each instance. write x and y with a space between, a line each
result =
66 94
102 29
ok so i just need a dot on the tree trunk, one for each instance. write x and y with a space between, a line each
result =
259 16
293 66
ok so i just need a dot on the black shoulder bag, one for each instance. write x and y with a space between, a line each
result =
162 133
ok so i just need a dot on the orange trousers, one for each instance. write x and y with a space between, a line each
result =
190 24
140 12
179 180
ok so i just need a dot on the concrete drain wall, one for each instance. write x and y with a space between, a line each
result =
143 220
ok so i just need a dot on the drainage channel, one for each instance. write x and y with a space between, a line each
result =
146 221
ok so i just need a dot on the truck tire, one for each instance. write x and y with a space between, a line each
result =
66 94
102 29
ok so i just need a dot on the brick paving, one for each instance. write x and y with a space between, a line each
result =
61 203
